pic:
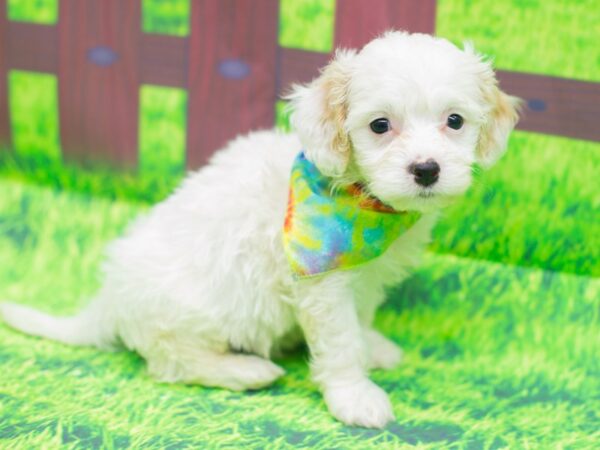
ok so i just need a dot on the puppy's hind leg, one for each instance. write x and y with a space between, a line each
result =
383 353
208 367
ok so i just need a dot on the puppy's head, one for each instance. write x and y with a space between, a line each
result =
408 116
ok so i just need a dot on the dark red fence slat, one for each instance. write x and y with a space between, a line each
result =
232 67
35 47
32 47
359 21
163 60
4 118
556 105
299 66
99 79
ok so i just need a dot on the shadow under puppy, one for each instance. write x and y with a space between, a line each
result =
289 237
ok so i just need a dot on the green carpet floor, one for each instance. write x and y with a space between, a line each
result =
497 356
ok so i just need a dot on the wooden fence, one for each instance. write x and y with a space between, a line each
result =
230 64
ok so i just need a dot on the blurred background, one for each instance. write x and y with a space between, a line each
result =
104 106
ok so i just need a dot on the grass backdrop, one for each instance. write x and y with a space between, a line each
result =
497 355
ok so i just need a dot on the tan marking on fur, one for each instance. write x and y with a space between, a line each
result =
503 116
334 82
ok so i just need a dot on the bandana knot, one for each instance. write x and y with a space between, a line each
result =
328 228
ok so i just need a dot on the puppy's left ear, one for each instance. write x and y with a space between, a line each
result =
500 121
319 112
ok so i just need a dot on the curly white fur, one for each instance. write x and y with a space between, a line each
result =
200 286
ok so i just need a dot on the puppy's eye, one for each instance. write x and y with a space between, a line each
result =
455 121
380 126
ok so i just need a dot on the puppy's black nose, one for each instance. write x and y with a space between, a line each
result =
425 173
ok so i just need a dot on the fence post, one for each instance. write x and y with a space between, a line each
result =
359 21
98 78
232 71
5 136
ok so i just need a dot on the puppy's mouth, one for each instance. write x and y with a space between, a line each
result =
424 200
426 193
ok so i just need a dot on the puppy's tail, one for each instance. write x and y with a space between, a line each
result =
88 327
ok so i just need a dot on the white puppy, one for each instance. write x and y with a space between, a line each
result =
201 286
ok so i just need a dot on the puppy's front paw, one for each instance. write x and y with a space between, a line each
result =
383 353
362 404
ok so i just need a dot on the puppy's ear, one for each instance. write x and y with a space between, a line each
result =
503 110
319 112
500 121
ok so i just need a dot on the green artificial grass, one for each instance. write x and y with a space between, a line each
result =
536 207
162 131
552 37
282 116
36 11
37 223
33 103
94 180
166 17
496 356
307 24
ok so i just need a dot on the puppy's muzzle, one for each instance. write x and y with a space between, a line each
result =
426 173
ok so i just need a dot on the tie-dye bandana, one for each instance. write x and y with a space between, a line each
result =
328 229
